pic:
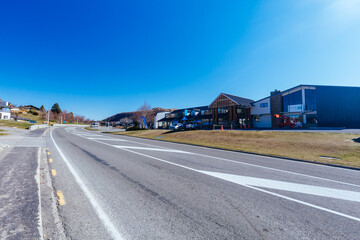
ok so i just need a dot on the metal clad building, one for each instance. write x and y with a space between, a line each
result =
338 106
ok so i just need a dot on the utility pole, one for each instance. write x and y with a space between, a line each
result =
77 121
48 117
61 118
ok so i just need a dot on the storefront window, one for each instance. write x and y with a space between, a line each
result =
310 100
206 112
223 110
291 99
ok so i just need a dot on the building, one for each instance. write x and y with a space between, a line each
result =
310 106
158 116
5 111
201 116
230 110
5 115
226 110
261 113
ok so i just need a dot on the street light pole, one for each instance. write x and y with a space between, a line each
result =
48 117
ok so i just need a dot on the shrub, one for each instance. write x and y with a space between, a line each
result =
134 128
34 112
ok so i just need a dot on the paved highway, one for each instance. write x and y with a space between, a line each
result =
117 187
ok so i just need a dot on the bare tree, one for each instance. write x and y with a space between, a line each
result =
142 111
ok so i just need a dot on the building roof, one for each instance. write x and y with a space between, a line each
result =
236 100
239 100
191 108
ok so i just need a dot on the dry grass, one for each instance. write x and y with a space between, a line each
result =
91 129
299 145
16 124
3 132
38 118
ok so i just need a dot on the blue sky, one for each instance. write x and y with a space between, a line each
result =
98 58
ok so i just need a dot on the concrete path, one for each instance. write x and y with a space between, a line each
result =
20 184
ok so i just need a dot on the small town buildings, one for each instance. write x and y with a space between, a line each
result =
304 105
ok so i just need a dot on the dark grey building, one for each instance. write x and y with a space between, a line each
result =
319 106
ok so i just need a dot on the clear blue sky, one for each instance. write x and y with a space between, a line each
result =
98 58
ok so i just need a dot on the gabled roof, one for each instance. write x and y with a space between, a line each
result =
239 100
245 102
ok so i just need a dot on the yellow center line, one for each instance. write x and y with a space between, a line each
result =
53 172
50 160
61 198
48 153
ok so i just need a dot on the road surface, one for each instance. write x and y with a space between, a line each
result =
117 187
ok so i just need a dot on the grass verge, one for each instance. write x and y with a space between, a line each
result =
3 132
345 148
91 129
16 124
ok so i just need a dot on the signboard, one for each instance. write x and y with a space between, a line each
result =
145 125
295 108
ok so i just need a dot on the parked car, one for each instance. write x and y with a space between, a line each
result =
94 125
32 121
176 126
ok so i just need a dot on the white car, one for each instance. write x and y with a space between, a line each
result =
94 125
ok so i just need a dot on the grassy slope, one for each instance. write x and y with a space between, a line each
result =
307 146
37 118
8 123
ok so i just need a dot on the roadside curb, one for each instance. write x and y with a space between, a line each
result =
256 154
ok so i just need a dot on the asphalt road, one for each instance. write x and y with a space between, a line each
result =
117 187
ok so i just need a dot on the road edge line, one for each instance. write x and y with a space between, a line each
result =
108 225
37 179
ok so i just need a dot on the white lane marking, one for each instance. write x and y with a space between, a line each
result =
275 169
253 165
288 186
258 166
151 149
248 186
109 226
108 139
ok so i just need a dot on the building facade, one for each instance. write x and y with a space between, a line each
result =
304 105
261 113
310 106
231 111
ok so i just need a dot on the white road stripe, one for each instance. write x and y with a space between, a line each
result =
288 186
108 139
255 165
245 185
109 226
150 149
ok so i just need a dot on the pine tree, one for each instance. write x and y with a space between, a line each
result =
55 108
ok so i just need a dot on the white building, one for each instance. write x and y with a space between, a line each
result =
261 113
4 115
159 116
